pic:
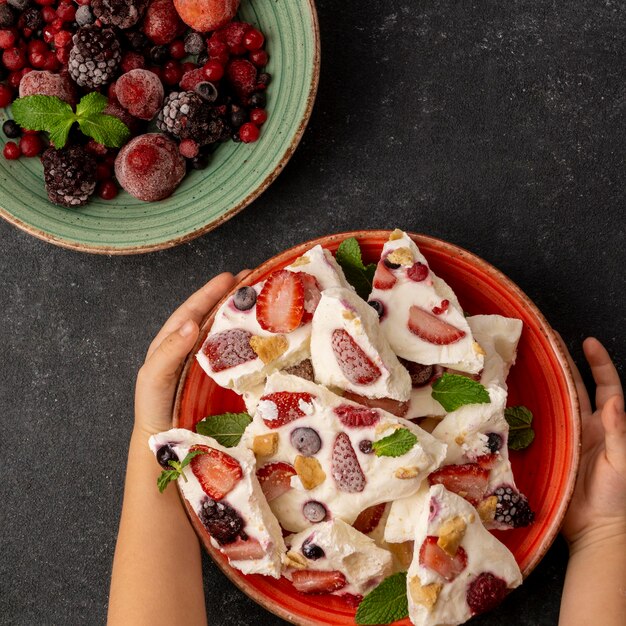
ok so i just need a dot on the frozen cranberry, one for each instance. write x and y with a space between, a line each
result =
249 133
62 39
253 39
52 64
111 93
103 172
66 11
189 148
188 66
417 272
259 58
213 70
172 73
15 78
258 116
177 49
63 55
36 45
107 190
11 151
31 145
140 92
132 61
14 59
93 147
38 60
7 38
48 33
44 3
217 50
6 95
48 14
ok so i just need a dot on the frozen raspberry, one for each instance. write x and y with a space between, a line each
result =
140 92
120 13
206 15
48 84
229 349
192 78
485 592
233 35
150 167
189 148
161 22
242 75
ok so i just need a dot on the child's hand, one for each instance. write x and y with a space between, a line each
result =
157 378
597 512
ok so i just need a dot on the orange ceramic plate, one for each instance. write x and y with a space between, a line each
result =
541 380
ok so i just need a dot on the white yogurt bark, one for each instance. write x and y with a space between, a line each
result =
334 470
245 505
349 351
403 515
335 546
289 348
457 563
422 319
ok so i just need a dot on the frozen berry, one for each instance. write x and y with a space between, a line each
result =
194 43
107 190
244 298
206 15
238 116
11 151
242 76
304 369
161 22
345 466
165 454
418 272
7 17
314 511
140 92
206 90
312 550
494 442
355 364
11 129
159 54
14 58
228 348
132 61
177 49
233 35
66 11
31 145
365 446
260 58
189 148
137 40
150 167
378 306
123 14
265 78
420 374
258 100
20 5
390 264
306 441
6 95
485 592
221 520
253 39
8 38
258 116
84 16
192 78
172 73
249 133
512 508
213 70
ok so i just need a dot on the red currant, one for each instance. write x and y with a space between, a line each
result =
31 145
217 50
52 63
213 70
6 95
66 11
14 59
48 14
7 38
249 133
48 33
62 39
63 55
177 49
37 60
260 58
188 66
253 39
11 151
44 3
172 73
36 45
258 116
107 190
15 78
103 172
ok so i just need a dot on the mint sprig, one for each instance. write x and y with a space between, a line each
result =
226 428
360 276
51 114
521 433
167 476
453 391
386 603
396 444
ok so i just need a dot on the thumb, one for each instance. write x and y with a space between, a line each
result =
614 422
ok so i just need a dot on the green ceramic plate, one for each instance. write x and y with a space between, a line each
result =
237 174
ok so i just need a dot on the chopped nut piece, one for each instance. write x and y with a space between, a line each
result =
402 553
295 560
426 595
478 349
406 472
459 440
487 509
401 256
309 471
269 348
383 426
265 445
396 234
348 315
451 534
303 260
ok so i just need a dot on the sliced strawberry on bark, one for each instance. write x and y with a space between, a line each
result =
435 558
289 406
228 349
280 305
383 278
216 471
469 480
318 581
432 329
369 518
356 416
312 296
345 466
243 550
356 366
395 407
275 479
487 461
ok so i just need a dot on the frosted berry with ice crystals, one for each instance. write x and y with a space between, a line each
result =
140 92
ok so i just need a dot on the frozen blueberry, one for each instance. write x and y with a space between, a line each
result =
207 91
238 116
314 511
264 78
365 446
494 442
258 100
11 129
244 298
390 264
199 162
159 54
306 441
312 551
164 454
378 306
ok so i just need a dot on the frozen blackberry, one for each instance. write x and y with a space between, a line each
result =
120 13
194 43
221 520
7 17
69 174
84 16
20 5
95 56
159 54
420 374
31 18
512 508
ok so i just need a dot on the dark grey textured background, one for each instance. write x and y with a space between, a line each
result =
495 125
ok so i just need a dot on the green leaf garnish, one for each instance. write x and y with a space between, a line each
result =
396 444
41 112
91 104
386 603
521 433
105 129
226 428
360 276
453 391
167 476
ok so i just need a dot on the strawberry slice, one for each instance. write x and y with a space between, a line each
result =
430 328
280 305
356 366
345 466
356 416
318 581
216 471
281 407
369 518
383 278
312 296
241 550
435 558
228 349
275 479
469 480
395 407
487 461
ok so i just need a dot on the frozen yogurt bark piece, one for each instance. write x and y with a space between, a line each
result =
222 488
421 317
459 569
267 327
350 352
333 557
316 453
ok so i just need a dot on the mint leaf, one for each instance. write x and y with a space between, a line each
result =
226 428
453 391
386 603
60 131
521 433
41 112
91 104
105 129
168 476
360 276
396 444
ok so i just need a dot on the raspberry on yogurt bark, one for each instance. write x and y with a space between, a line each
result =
459 569
333 557
349 351
267 327
222 488
421 316
326 444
